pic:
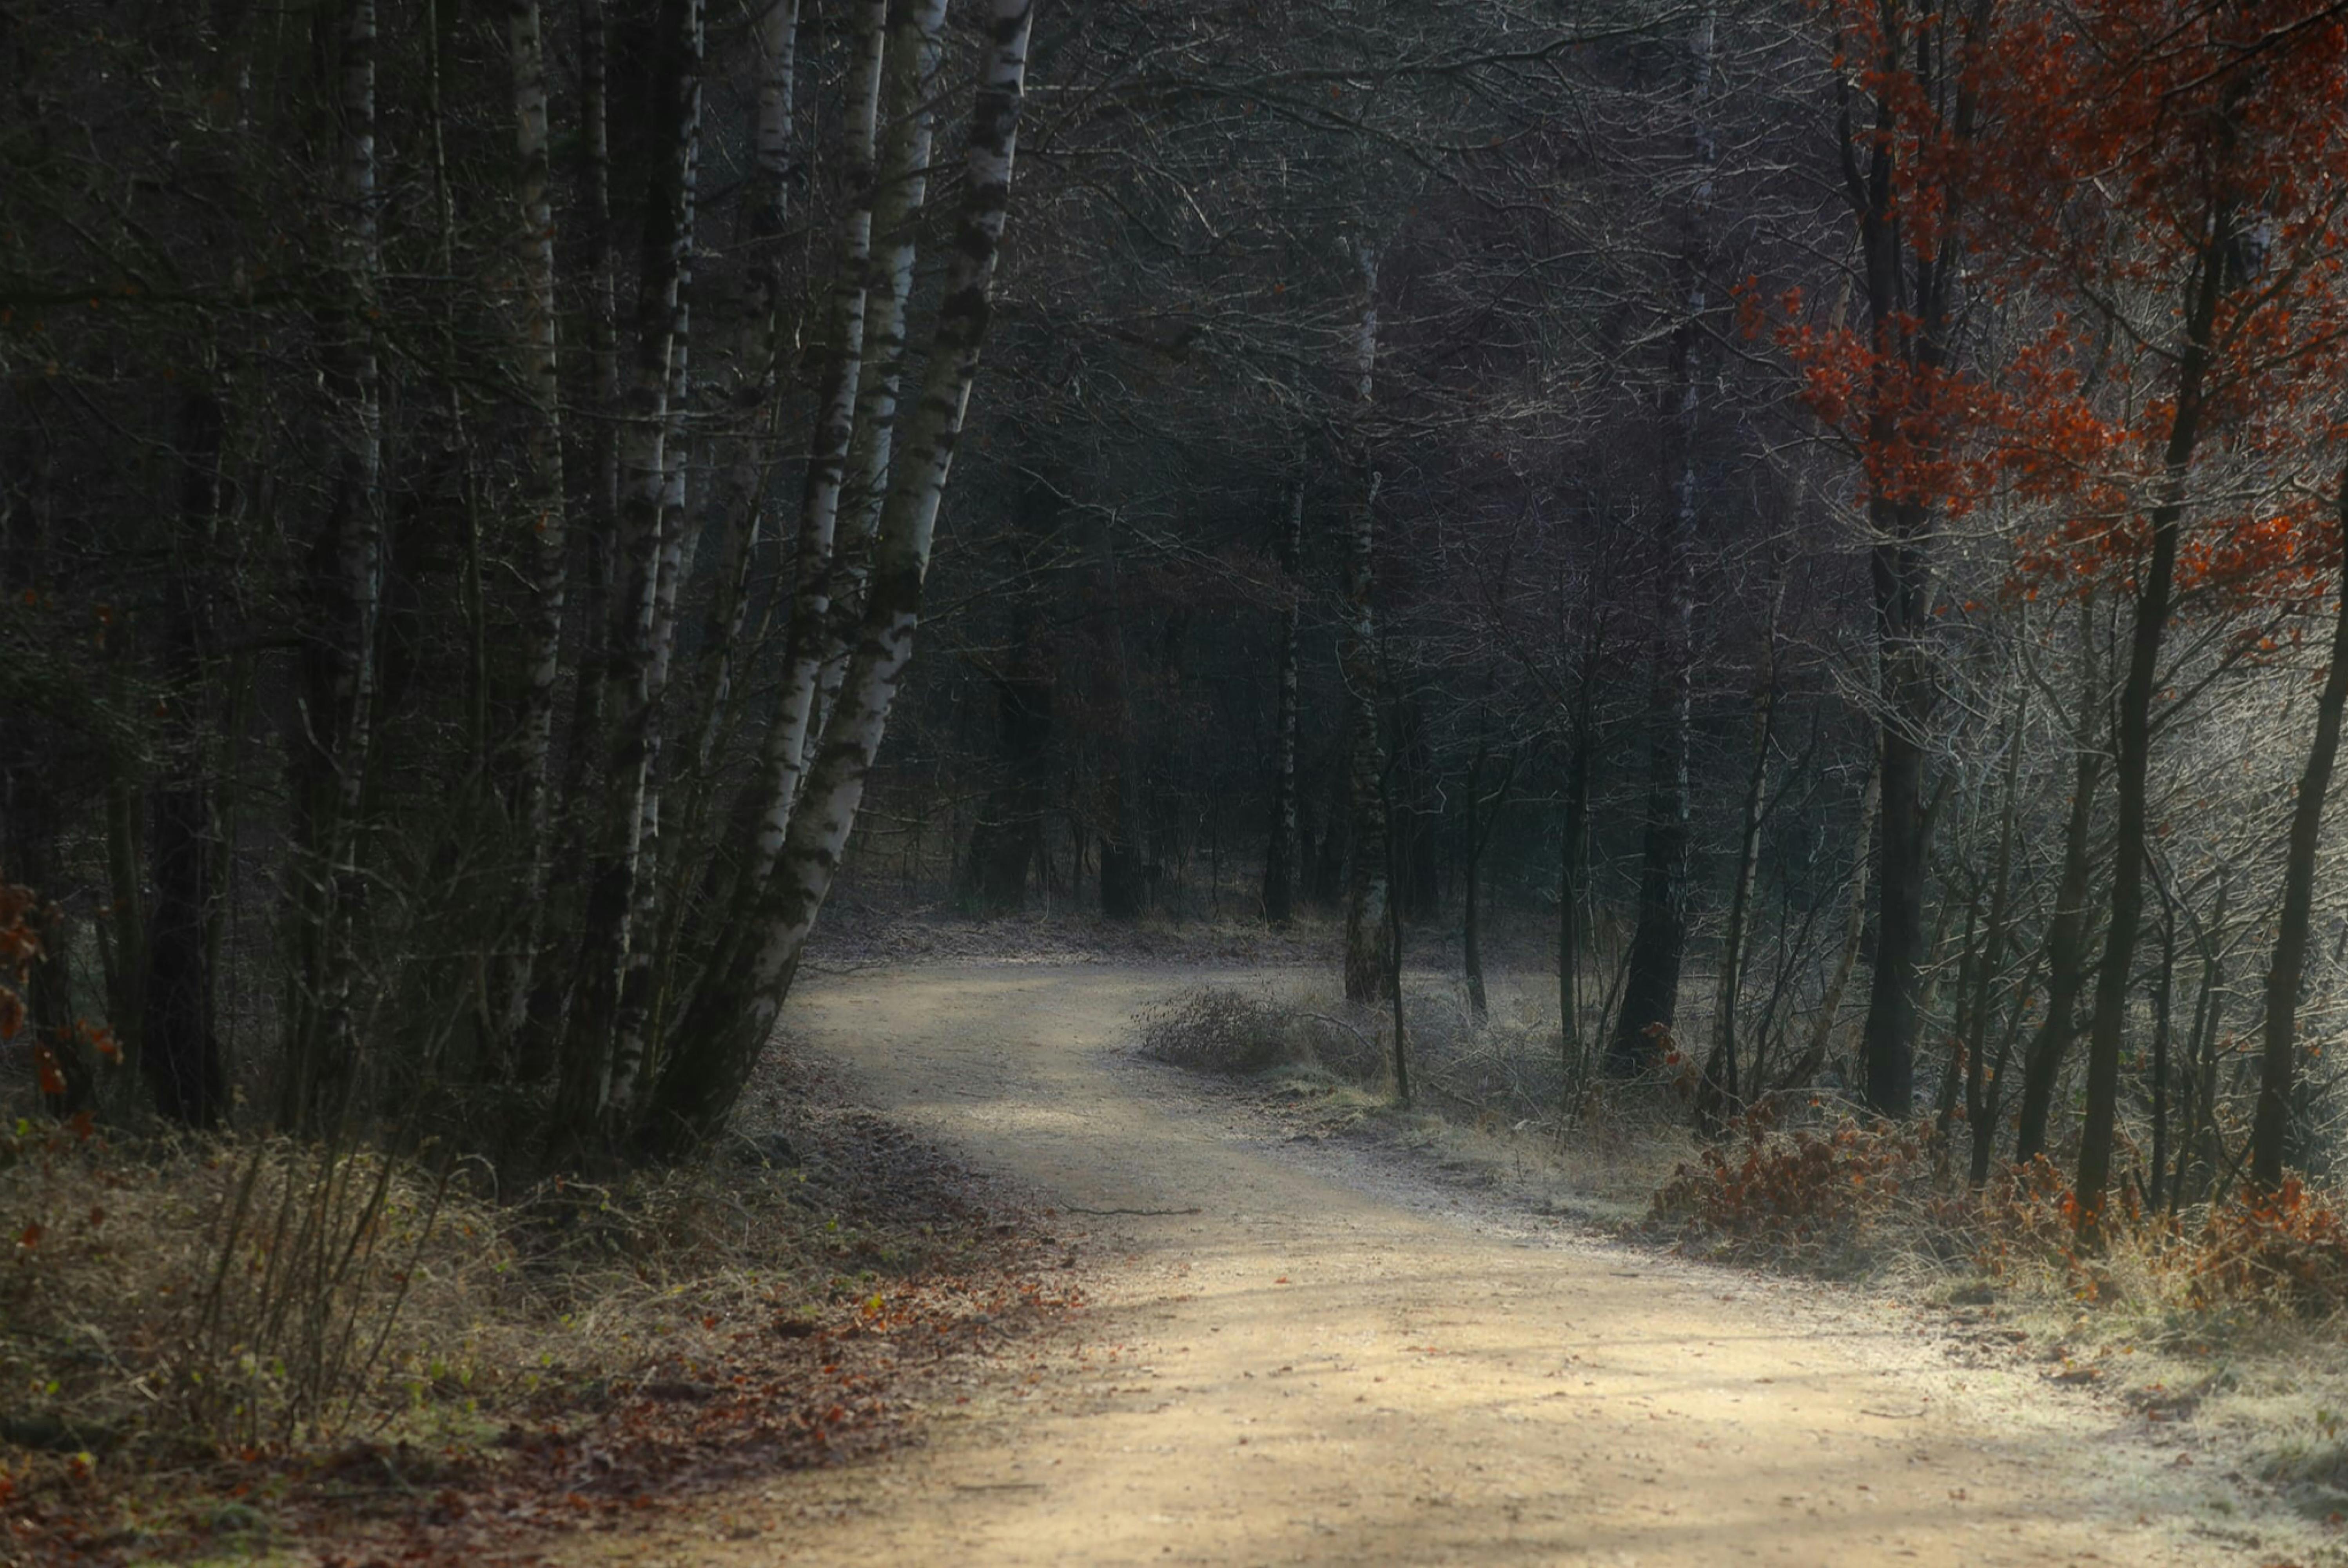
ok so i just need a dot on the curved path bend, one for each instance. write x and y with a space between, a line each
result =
1333 1361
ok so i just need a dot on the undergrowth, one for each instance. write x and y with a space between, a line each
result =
152 1307
1221 1030
2229 1317
1494 1094
1846 1196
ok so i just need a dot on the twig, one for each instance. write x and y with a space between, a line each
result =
1066 1208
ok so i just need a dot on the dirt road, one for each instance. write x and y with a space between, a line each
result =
1331 1361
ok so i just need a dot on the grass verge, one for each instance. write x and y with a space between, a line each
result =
2222 1328
572 1356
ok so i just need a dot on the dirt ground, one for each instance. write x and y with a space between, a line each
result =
1314 1353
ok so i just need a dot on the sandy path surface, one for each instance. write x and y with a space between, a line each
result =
1332 1360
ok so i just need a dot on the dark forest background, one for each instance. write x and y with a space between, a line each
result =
470 474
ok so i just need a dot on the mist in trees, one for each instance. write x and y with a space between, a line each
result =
1815 530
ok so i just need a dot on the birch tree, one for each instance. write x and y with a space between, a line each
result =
721 1035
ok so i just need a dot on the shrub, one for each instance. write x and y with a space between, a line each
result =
1216 1029
2286 1250
1798 1190
240 1292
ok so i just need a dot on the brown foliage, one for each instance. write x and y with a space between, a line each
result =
2286 1250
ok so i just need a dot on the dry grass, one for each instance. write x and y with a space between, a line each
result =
144 1307
2230 1321
1225 1031
2232 1324
159 1297
1496 1102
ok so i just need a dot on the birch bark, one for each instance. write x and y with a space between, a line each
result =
742 503
763 811
554 985
781 768
721 1037
638 966
591 1068
904 191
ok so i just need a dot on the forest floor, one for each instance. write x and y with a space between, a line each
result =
1295 1347
1018 1294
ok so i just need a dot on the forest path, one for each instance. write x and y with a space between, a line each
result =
1334 1360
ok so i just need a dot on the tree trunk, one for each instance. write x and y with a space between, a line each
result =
1281 860
1471 946
2197 1131
1854 929
1888 1044
1721 1088
536 352
721 1035
1392 948
2067 947
781 768
1573 855
1369 864
1120 826
752 391
597 1076
177 1050
2163 1000
1651 985
322 1047
1980 1118
2278 1058
1911 293
1008 838
555 975
2134 722
902 192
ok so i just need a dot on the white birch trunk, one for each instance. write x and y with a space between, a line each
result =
904 191
742 500
876 90
780 767
592 1069
727 1028
555 984
632 1019
748 403
779 43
